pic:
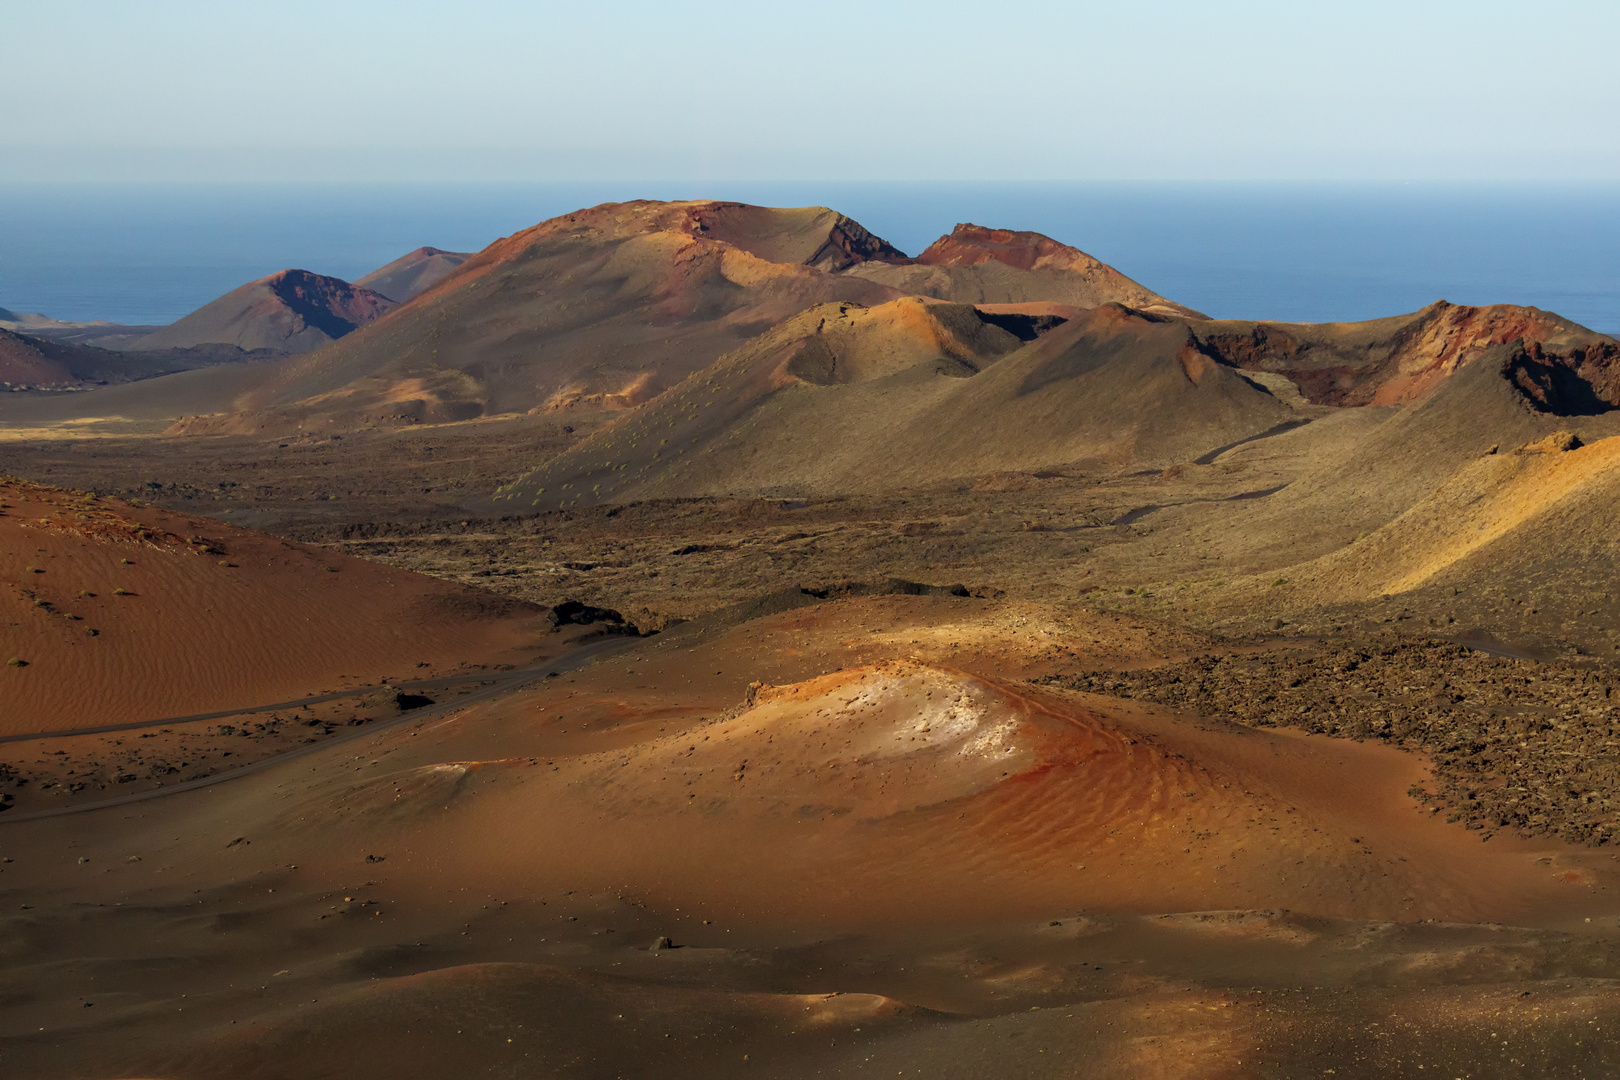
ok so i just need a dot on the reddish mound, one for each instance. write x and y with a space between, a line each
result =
903 792
290 311
969 245
410 275
29 361
976 265
1562 367
116 613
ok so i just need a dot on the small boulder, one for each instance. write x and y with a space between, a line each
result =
576 613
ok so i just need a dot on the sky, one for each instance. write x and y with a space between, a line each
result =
166 90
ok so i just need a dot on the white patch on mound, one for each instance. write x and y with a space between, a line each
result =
931 710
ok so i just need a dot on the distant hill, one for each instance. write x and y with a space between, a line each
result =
976 265
30 361
916 392
603 308
412 274
1567 368
102 334
24 320
607 307
291 311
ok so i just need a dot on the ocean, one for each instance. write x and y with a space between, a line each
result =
149 254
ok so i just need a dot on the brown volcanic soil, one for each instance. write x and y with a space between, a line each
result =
50 773
116 613
1519 746
485 891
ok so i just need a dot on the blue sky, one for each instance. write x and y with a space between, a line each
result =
1019 89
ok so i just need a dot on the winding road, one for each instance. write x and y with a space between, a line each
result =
510 680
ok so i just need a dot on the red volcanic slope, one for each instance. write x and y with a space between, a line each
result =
601 308
969 245
976 265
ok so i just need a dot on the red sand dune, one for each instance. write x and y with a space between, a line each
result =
117 613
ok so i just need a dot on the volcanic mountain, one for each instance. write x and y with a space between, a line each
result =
604 309
407 276
291 311
607 307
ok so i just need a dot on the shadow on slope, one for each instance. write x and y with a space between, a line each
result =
914 393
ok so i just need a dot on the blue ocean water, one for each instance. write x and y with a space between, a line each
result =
150 254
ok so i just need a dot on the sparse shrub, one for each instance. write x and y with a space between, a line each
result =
14 662
32 570
122 592
127 562
86 594
1279 581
